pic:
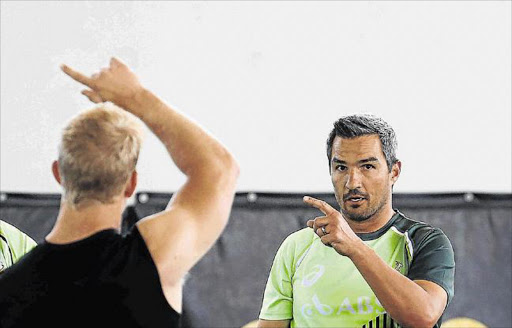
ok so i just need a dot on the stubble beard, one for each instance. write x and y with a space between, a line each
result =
368 214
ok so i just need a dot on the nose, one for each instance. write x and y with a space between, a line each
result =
353 179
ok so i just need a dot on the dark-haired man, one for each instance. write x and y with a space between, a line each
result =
381 269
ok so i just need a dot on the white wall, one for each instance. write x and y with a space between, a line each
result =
268 79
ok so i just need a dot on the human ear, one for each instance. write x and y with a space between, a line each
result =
55 171
131 185
395 171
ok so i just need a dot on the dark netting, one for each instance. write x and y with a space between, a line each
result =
225 288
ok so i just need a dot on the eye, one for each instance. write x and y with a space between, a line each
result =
368 166
340 167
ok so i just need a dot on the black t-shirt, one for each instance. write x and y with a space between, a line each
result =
100 281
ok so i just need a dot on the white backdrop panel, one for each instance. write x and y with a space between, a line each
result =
268 79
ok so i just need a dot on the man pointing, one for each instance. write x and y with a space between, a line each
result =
368 265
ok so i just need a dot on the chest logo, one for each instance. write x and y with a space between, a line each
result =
312 277
398 265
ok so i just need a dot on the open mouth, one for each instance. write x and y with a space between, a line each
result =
355 200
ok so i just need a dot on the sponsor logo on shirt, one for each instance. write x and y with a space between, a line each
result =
363 305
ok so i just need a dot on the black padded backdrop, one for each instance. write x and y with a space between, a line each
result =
225 288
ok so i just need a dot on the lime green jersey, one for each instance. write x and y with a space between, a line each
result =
314 286
13 245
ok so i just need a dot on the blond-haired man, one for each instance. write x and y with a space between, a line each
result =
86 273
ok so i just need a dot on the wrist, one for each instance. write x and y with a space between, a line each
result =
136 100
359 251
140 103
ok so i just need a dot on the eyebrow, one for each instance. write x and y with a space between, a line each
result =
366 160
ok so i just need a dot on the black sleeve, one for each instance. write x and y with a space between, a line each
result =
433 259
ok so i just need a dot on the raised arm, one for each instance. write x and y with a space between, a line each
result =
198 212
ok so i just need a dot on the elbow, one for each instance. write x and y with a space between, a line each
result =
233 167
420 320
228 167
430 320
222 168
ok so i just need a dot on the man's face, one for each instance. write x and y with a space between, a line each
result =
360 176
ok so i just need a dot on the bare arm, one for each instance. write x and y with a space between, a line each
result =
273 323
196 215
417 303
198 212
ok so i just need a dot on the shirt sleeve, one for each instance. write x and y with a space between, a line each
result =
278 296
18 242
433 259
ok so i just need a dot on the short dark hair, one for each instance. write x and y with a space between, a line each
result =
364 124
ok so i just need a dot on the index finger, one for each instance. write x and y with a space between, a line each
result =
320 204
116 62
77 76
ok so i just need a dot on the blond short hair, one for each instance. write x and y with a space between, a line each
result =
98 152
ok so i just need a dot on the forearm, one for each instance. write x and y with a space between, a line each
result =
273 323
192 149
404 300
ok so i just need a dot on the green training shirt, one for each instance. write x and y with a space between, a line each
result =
314 286
13 245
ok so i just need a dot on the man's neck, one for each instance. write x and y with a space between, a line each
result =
377 221
74 224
